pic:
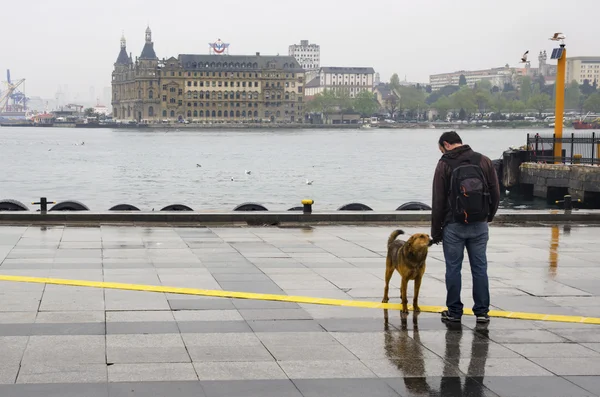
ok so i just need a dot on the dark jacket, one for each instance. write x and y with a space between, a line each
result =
440 213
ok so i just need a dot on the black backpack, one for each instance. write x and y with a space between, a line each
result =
469 196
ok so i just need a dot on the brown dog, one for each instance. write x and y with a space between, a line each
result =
408 257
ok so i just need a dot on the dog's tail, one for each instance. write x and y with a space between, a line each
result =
394 235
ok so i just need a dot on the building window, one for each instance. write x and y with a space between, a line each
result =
172 113
189 83
202 113
150 111
172 89
189 113
214 113
299 89
164 113
189 104
164 98
179 102
180 91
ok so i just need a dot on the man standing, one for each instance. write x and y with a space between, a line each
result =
465 196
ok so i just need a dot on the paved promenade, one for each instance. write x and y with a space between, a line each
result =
85 342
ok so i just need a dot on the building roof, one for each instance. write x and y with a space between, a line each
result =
123 58
238 62
148 51
316 82
345 70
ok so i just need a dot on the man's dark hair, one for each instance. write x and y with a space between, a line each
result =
451 137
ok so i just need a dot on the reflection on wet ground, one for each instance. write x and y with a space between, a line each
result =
92 342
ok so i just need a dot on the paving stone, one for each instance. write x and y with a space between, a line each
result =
479 367
285 326
552 350
72 349
250 388
164 348
570 366
252 370
142 327
344 388
207 315
306 369
156 389
275 314
61 372
535 386
440 386
242 347
151 372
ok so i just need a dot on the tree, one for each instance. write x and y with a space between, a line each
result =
391 105
442 105
572 95
323 103
592 104
464 99
525 90
517 106
586 88
462 80
428 89
540 102
89 112
365 104
462 114
395 81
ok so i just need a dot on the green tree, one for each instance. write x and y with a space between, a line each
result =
586 88
592 104
323 103
442 105
395 81
540 102
462 114
391 105
462 80
525 90
517 106
412 98
89 112
572 95
365 104
464 99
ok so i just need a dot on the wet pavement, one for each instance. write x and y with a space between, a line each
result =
76 341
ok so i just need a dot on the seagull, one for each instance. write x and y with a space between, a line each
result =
524 57
49 150
556 37
231 179
82 143
309 182
248 172
198 166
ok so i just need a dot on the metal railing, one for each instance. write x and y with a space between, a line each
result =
580 148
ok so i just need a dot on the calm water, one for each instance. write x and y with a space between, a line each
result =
151 169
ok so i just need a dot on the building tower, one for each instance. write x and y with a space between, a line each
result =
120 76
308 56
147 91
543 68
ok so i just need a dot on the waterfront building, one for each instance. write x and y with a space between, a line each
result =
350 79
308 56
207 87
583 68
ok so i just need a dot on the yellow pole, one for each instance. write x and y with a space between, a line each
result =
554 250
560 104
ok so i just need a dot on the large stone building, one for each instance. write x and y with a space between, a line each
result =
350 79
583 68
214 88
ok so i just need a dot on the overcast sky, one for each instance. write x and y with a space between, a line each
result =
76 42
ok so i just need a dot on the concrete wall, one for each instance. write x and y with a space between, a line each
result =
552 181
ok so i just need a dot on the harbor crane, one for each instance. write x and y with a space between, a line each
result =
19 100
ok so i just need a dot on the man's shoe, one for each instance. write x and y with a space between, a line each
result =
447 317
483 319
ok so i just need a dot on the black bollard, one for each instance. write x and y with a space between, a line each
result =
43 203
568 202
307 205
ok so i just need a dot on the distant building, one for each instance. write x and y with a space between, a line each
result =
350 79
583 68
308 56
211 87
496 76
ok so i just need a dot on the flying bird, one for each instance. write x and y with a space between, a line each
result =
248 172
198 165
524 57
557 36
309 182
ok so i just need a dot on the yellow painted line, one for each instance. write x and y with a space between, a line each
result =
288 298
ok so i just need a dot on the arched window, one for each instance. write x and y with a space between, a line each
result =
243 113
214 113
202 113
237 114
287 96
255 113
225 95
172 100
225 113
219 96
189 94
172 113
195 113
164 113
189 113
244 95
150 94
219 114
237 95
151 111
201 95
231 113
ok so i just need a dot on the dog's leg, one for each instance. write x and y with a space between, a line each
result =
416 307
389 272
403 295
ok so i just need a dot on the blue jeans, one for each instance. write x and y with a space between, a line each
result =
473 237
